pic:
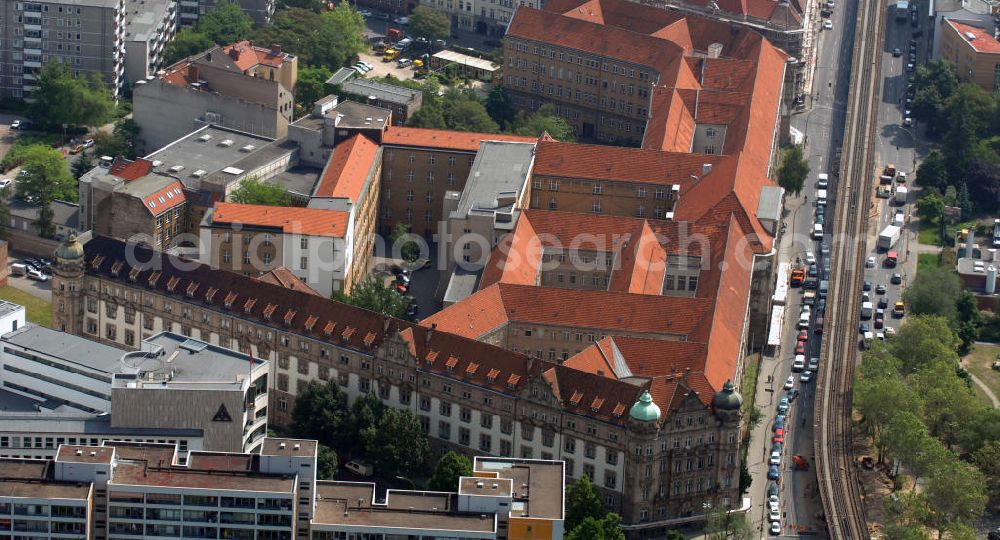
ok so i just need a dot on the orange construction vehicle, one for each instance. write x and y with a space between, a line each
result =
801 463
798 276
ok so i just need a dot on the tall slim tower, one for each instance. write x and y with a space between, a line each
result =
67 285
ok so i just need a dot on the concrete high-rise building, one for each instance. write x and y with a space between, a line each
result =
87 35
149 26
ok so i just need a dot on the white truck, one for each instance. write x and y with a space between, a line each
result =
900 197
866 310
902 10
888 237
898 219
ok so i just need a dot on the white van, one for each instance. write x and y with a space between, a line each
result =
821 196
897 219
823 182
817 233
18 269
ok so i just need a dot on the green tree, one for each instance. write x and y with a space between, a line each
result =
397 444
326 463
45 176
187 42
987 458
968 111
45 223
582 502
311 5
674 534
879 401
606 528
933 171
725 525
365 412
254 191
429 116
895 531
948 401
374 295
122 141
82 165
430 23
311 86
955 494
793 170
903 434
930 207
499 106
464 112
328 39
980 430
924 340
934 292
449 468
226 23
71 100
964 201
319 411
409 250
933 83
544 120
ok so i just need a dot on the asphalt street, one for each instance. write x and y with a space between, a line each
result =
822 125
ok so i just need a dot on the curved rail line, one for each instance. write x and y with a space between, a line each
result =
835 464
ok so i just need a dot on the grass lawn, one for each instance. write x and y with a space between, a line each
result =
38 311
978 363
928 261
929 234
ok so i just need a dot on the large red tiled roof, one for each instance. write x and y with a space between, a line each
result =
351 164
600 398
290 219
444 139
981 41
618 163
247 56
602 311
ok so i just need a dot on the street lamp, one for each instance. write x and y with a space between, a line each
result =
413 486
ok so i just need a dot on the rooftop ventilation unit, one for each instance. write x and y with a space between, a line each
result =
227 143
248 148
281 445
205 137
157 163
297 446
199 173
176 168
970 35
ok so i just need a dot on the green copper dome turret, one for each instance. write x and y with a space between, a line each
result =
645 410
71 249
728 399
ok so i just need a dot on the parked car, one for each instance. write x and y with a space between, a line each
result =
896 279
880 288
827 25
789 382
359 467
779 436
814 364
883 302
401 20
774 515
775 458
773 473
5 183
800 347
806 376
775 528
37 275
799 363
783 405
18 269
896 52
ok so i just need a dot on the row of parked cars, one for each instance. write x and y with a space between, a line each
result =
32 268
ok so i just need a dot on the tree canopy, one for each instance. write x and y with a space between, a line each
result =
374 295
449 468
582 502
605 528
319 412
328 39
45 177
311 87
933 171
122 141
397 444
63 98
186 43
793 170
933 292
544 120
226 23
429 23
254 191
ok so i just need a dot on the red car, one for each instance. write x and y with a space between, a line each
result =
779 436
819 326
800 347
803 335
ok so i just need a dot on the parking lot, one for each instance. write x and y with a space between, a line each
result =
37 288
381 69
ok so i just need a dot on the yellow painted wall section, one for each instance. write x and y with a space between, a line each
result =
529 529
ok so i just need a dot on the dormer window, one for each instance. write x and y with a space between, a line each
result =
491 377
116 268
230 298
248 305
328 329
192 289
449 366
133 274
153 278
310 322
172 283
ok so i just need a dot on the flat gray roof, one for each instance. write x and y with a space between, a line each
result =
142 18
209 156
299 180
356 115
64 213
462 284
769 206
500 168
66 347
110 4
182 360
15 403
248 161
342 74
7 308
83 423
383 91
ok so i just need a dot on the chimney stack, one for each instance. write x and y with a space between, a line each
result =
276 49
234 53
430 332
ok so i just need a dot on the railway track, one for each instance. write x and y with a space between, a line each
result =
835 464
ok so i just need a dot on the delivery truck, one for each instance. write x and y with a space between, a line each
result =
888 237
900 198
866 310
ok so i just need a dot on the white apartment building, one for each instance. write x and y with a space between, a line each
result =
149 26
33 504
88 35
11 316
